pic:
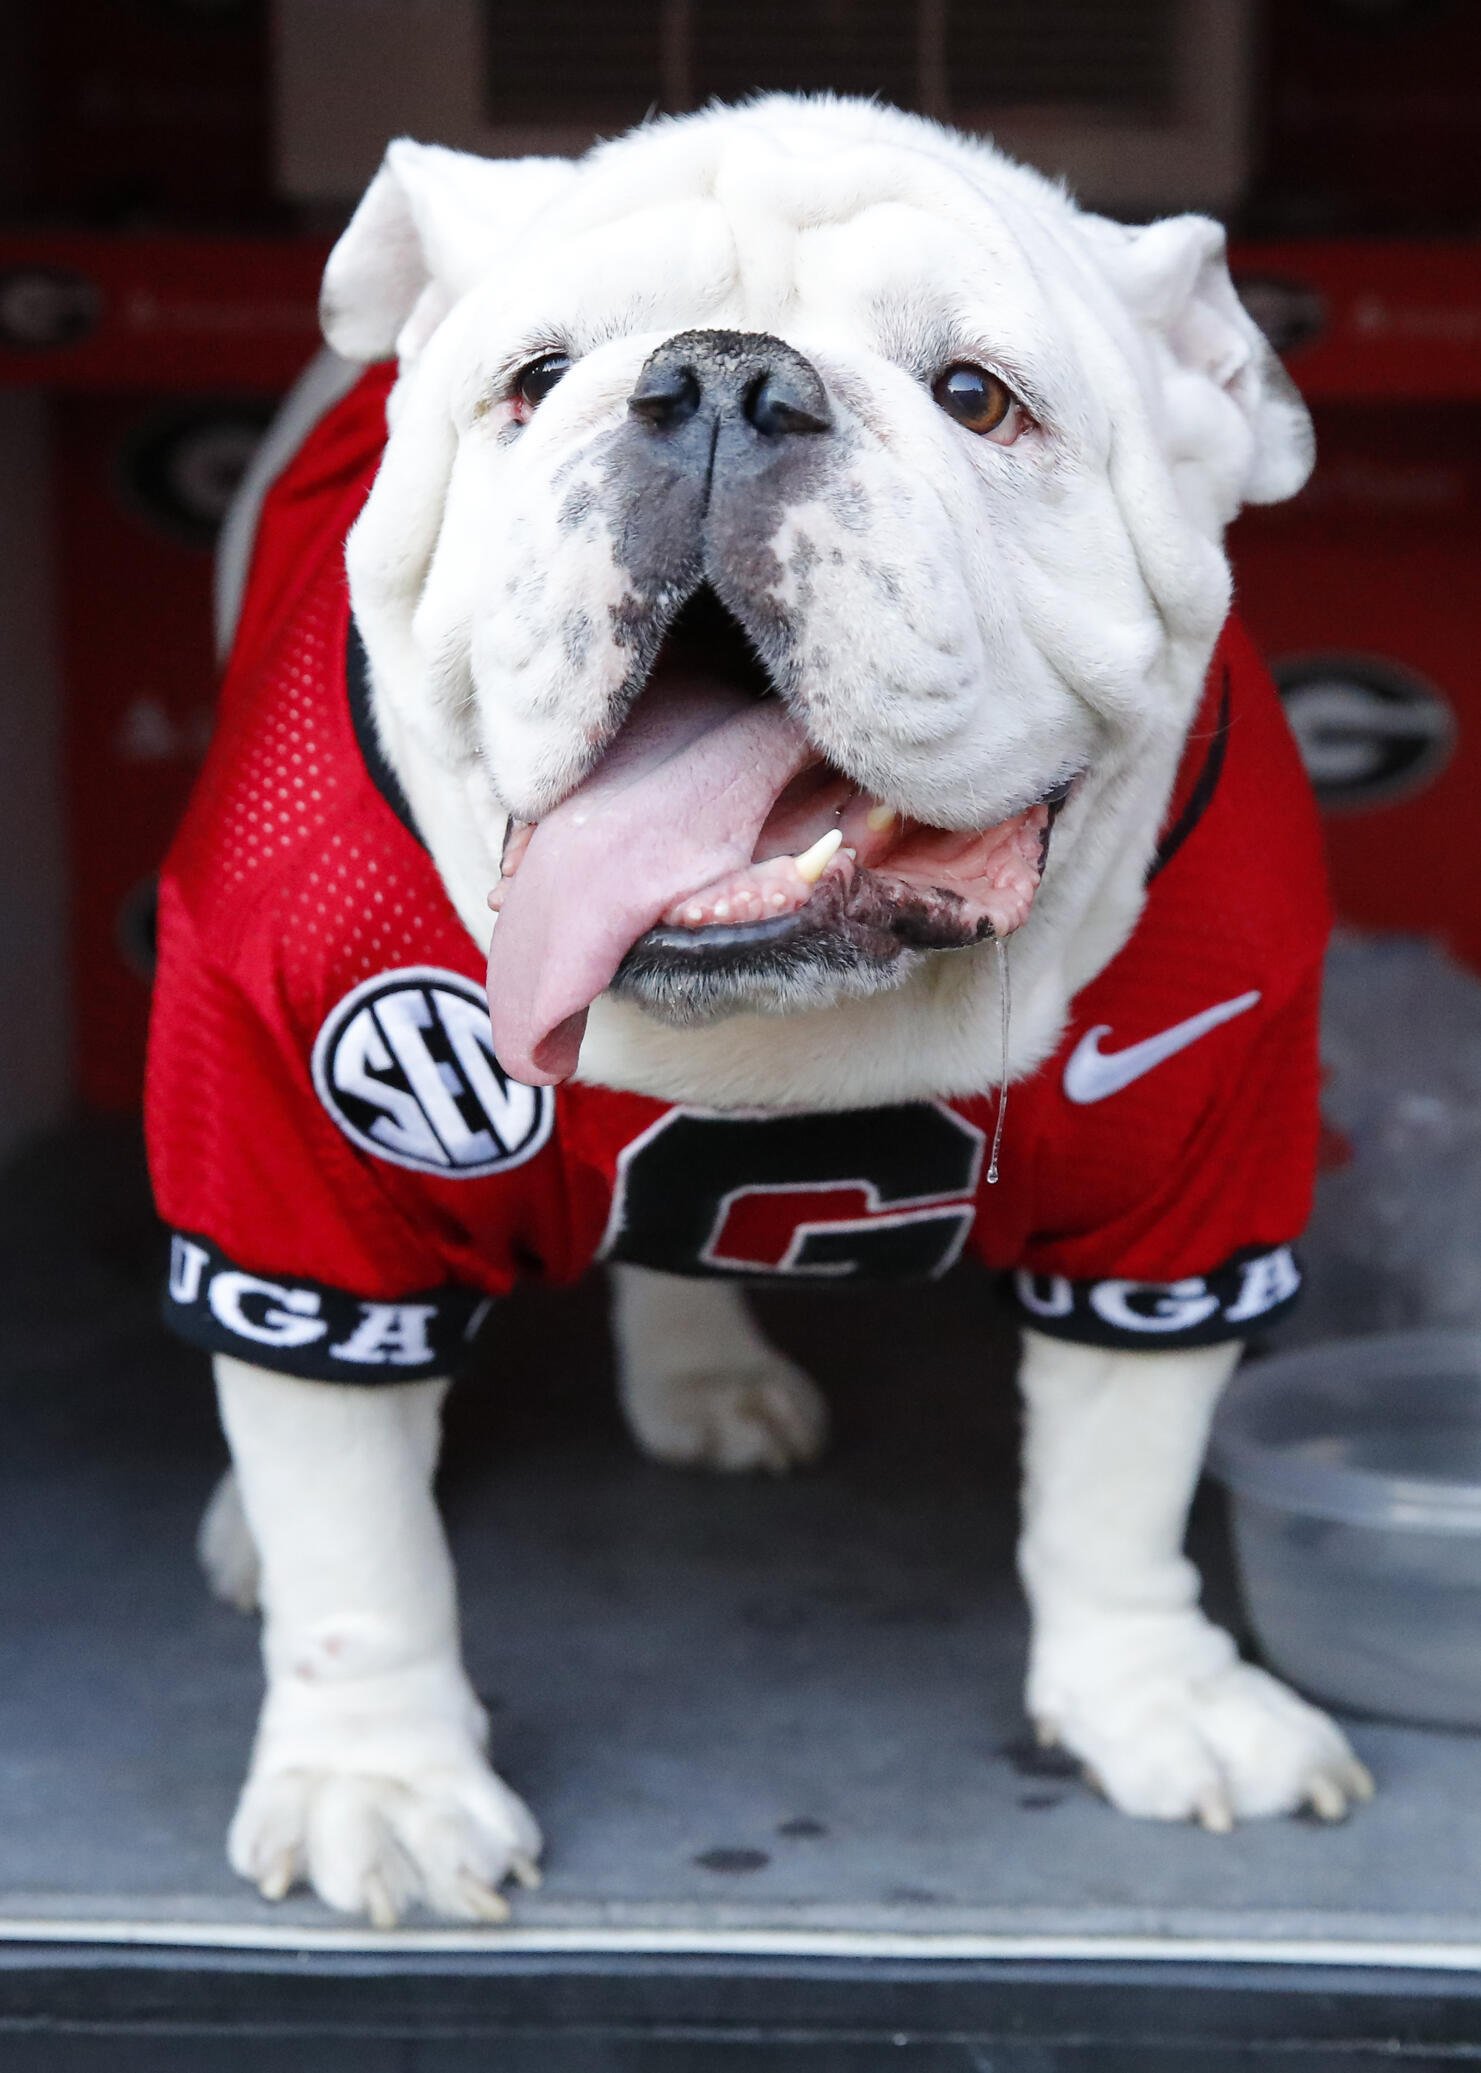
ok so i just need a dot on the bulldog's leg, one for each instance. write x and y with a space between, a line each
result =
700 1385
1124 1669
368 1776
225 1548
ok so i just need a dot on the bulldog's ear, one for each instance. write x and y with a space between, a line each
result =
430 226
1174 275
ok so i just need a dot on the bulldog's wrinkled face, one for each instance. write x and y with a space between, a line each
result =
769 605
770 563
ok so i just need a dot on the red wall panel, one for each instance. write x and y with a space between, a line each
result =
1380 559
134 584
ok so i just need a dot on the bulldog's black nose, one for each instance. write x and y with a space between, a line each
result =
745 374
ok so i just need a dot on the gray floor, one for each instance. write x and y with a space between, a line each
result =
737 1707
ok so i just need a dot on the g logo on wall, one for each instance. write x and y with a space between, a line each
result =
1369 731
46 306
1291 313
181 467
405 1065
878 1194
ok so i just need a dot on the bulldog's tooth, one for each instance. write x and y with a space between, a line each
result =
879 819
814 862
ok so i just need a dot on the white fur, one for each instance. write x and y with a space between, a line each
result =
1053 604
368 1776
700 1385
368 1773
1124 1669
225 1549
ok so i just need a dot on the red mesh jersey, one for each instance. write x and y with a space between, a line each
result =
352 1177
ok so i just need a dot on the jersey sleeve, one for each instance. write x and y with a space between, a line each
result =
1208 1254
288 1248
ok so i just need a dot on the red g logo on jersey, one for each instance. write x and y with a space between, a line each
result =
877 1194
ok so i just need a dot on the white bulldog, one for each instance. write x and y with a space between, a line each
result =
791 516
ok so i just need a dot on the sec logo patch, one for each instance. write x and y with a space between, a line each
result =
405 1065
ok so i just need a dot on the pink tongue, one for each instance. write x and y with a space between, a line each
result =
679 799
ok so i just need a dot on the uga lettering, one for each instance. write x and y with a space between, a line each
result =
1045 1295
1200 1310
394 1332
882 1194
1272 1278
279 1316
310 1329
1139 1306
188 1262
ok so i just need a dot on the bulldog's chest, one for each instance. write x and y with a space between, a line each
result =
546 1181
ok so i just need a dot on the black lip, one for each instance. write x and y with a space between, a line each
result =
690 975
823 927
868 921
721 937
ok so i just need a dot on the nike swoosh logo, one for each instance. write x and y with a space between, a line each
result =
1091 1074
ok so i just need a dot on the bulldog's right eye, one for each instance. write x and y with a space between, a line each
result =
981 402
535 382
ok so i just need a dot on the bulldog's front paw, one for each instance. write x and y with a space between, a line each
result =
1171 1725
761 1414
380 1798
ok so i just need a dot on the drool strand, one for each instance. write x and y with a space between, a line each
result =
1005 1007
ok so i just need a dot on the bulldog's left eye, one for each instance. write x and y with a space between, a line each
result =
535 382
980 402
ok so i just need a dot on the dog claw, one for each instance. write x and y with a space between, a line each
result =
1214 1813
482 1901
1359 1780
525 1871
277 1881
379 1905
1327 1799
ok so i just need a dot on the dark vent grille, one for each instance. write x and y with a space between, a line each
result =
805 46
1111 54
572 62
591 64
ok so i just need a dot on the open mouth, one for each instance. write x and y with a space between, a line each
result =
714 855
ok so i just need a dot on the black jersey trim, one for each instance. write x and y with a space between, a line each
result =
1205 785
1254 1289
297 1326
367 736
